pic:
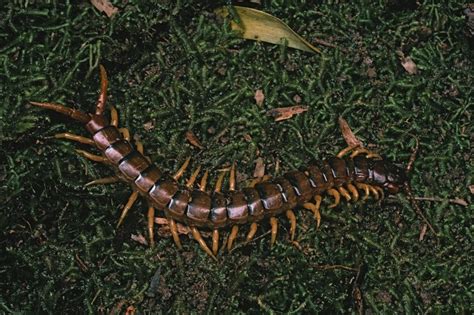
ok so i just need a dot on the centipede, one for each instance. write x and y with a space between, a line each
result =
354 173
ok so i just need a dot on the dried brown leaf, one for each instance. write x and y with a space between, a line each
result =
164 229
409 65
139 238
424 228
347 133
149 125
471 189
259 97
191 137
259 168
105 6
284 113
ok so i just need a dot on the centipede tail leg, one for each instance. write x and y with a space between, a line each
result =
346 150
69 112
150 225
131 200
104 82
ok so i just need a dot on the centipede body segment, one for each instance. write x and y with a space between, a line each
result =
355 173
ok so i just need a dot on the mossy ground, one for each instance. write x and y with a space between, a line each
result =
174 67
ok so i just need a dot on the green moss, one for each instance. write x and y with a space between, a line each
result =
175 67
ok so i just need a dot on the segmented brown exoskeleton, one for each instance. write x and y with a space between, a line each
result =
354 169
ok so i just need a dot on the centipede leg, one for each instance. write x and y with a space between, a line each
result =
369 154
113 116
315 209
151 222
292 218
69 112
365 188
103 91
131 200
347 150
381 192
182 169
73 137
232 237
274 225
193 177
93 157
215 241
202 185
374 192
197 236
337 197
174 233
353 190
344 193
232 177
125 133
219 182
103 181
252 232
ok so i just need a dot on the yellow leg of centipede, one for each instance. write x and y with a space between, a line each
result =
292 218
354 192
274 225
215 241
104 181
252 232
182 169
125 133
365 188
92 157
381 192
202 185
344 193
315 209
255 181
337 197
374 192
197 236
113 117
174 233
232 237
215 232
73 137
346 150
150 225
131 200
361 150
193 177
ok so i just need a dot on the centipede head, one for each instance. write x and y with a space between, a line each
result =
396 178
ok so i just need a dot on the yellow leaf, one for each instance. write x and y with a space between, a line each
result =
261 26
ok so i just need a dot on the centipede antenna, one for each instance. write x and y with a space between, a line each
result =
73 113
103 91
412 157
417 208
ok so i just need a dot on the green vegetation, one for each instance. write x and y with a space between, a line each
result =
174 67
